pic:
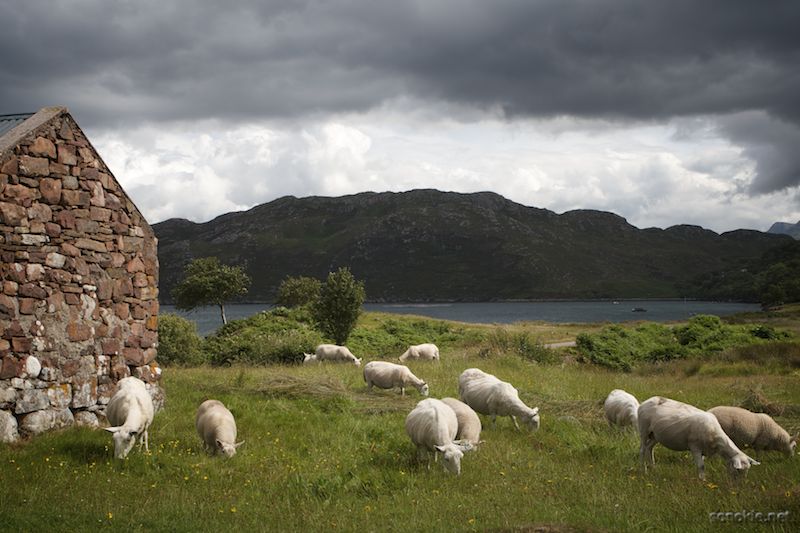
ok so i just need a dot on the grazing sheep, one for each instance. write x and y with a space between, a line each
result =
335 353
432 427
310 358
680 427
130 412
621 409
469 425
425 352
489 396
217 428
757 430
389 375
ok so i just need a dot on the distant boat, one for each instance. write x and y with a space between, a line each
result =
639 310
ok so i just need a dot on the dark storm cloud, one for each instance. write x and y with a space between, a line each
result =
618 59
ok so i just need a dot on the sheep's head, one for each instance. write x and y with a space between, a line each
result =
533 419
740 464
357 362
123 440
227 449
451 458
309 357
423 389
793 444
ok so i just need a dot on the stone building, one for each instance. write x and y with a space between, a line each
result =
78 275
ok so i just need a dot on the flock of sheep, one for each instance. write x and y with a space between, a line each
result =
723 430
450 427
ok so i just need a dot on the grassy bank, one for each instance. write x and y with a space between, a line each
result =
323 454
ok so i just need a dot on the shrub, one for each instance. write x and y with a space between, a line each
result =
339 304
297 291
275 336
621 348
178 342
501 341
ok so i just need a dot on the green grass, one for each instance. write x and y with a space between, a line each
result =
321 453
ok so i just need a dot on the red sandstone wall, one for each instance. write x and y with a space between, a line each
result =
79 274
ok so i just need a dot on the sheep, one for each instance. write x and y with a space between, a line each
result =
621 409
432 427
389 375
489 396
469 425
424 352
680 427
757 430
217 428
130 412
332 352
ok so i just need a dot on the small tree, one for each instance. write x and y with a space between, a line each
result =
339 304
294 292
178 342
206 281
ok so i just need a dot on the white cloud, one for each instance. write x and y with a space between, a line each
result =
653 174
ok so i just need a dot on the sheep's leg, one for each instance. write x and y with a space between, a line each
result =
698 460
146 441
494 421
514 419
646 452
402 390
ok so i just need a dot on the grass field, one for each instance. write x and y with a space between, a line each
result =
321 453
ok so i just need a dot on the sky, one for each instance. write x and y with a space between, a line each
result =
665 113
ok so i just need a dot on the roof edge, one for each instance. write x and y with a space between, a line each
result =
16 134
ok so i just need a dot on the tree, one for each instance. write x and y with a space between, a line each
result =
294 292
339 304
206 281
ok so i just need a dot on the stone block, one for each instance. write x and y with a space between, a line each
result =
11 166
29 400
12 214
30 239
40 212
90 244
10 287
9 367
33 272
8 307
55 260
43 421
53 230
70 250
98 198
34 166
50 190
66 219
7 396
32 290
21 344
74 197
84 393
111 346
60 395
79 332
8 427
27 306
31 367
86 419
43 147
150 373
66 154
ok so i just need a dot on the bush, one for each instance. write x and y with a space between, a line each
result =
178 342
339 304
621 348
276 336
500 342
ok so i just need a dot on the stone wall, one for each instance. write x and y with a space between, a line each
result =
79 275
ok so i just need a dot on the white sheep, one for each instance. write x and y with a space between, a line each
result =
130 412
387 375
757 430
332 352
621 409
424 352
217 428
490 396
469 425
681 427
432 427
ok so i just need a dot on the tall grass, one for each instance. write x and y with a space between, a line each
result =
322 453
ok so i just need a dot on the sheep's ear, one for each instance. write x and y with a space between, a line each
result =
535 410
133 433
753 461
440 448
238 444
464 445
112 429
219 443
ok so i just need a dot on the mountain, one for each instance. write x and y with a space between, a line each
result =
786 228
427 245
